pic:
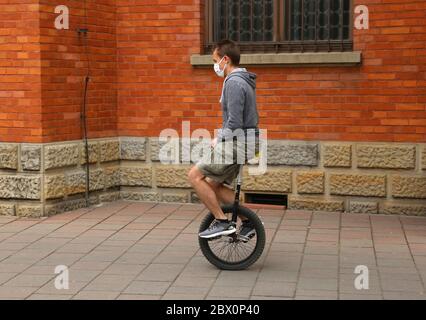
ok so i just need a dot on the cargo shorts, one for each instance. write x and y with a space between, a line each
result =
226 158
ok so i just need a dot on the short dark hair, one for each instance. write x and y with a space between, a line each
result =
228 48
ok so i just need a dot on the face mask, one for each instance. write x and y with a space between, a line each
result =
220 73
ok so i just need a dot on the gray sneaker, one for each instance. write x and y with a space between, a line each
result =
218 228
247 231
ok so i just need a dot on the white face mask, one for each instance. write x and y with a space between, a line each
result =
220 73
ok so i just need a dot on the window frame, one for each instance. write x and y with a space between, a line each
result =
280 42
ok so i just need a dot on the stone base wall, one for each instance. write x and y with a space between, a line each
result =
46 179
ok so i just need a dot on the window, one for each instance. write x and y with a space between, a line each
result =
280 25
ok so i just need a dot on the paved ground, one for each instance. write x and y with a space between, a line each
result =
128 250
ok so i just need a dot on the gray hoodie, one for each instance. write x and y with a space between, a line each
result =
238 103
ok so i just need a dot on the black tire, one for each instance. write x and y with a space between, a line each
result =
246 262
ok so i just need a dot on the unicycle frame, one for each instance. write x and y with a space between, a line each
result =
237 195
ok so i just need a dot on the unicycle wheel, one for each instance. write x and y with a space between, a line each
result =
234 252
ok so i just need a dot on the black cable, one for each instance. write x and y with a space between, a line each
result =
83 117
86 143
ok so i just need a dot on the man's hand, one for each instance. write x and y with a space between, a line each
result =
213 142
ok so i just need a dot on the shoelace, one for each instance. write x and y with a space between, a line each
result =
213 225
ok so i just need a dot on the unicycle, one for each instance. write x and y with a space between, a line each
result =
234 252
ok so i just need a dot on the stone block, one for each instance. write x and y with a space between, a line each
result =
195 198
363 207
408 187
112 177
403 209
133 148
136 176
76 182
9 156
93 152
169 176
277 180
20 187
175 197
140 196
310 182
109 196
7 209
109 150
31 157
292 154
54 186
358 185
315 205
337 155
386 157
57 156
33 211
168 148
69 205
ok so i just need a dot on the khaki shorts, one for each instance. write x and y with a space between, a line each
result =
231 154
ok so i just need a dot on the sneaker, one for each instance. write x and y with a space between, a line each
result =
247 230
218 228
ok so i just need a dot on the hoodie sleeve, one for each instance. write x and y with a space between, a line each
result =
235 100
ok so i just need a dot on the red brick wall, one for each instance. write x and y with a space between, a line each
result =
65 66
20 94
382 100
142 81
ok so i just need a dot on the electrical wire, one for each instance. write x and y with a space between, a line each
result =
84 32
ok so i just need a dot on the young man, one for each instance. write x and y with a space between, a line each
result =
238 101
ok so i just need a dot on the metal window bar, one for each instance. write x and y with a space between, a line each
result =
290 37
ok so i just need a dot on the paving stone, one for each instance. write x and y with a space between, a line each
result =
309 255
147 287
95 295
278 289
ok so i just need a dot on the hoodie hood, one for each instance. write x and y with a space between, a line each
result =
242 73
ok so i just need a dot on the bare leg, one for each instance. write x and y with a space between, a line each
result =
224 194
205 192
